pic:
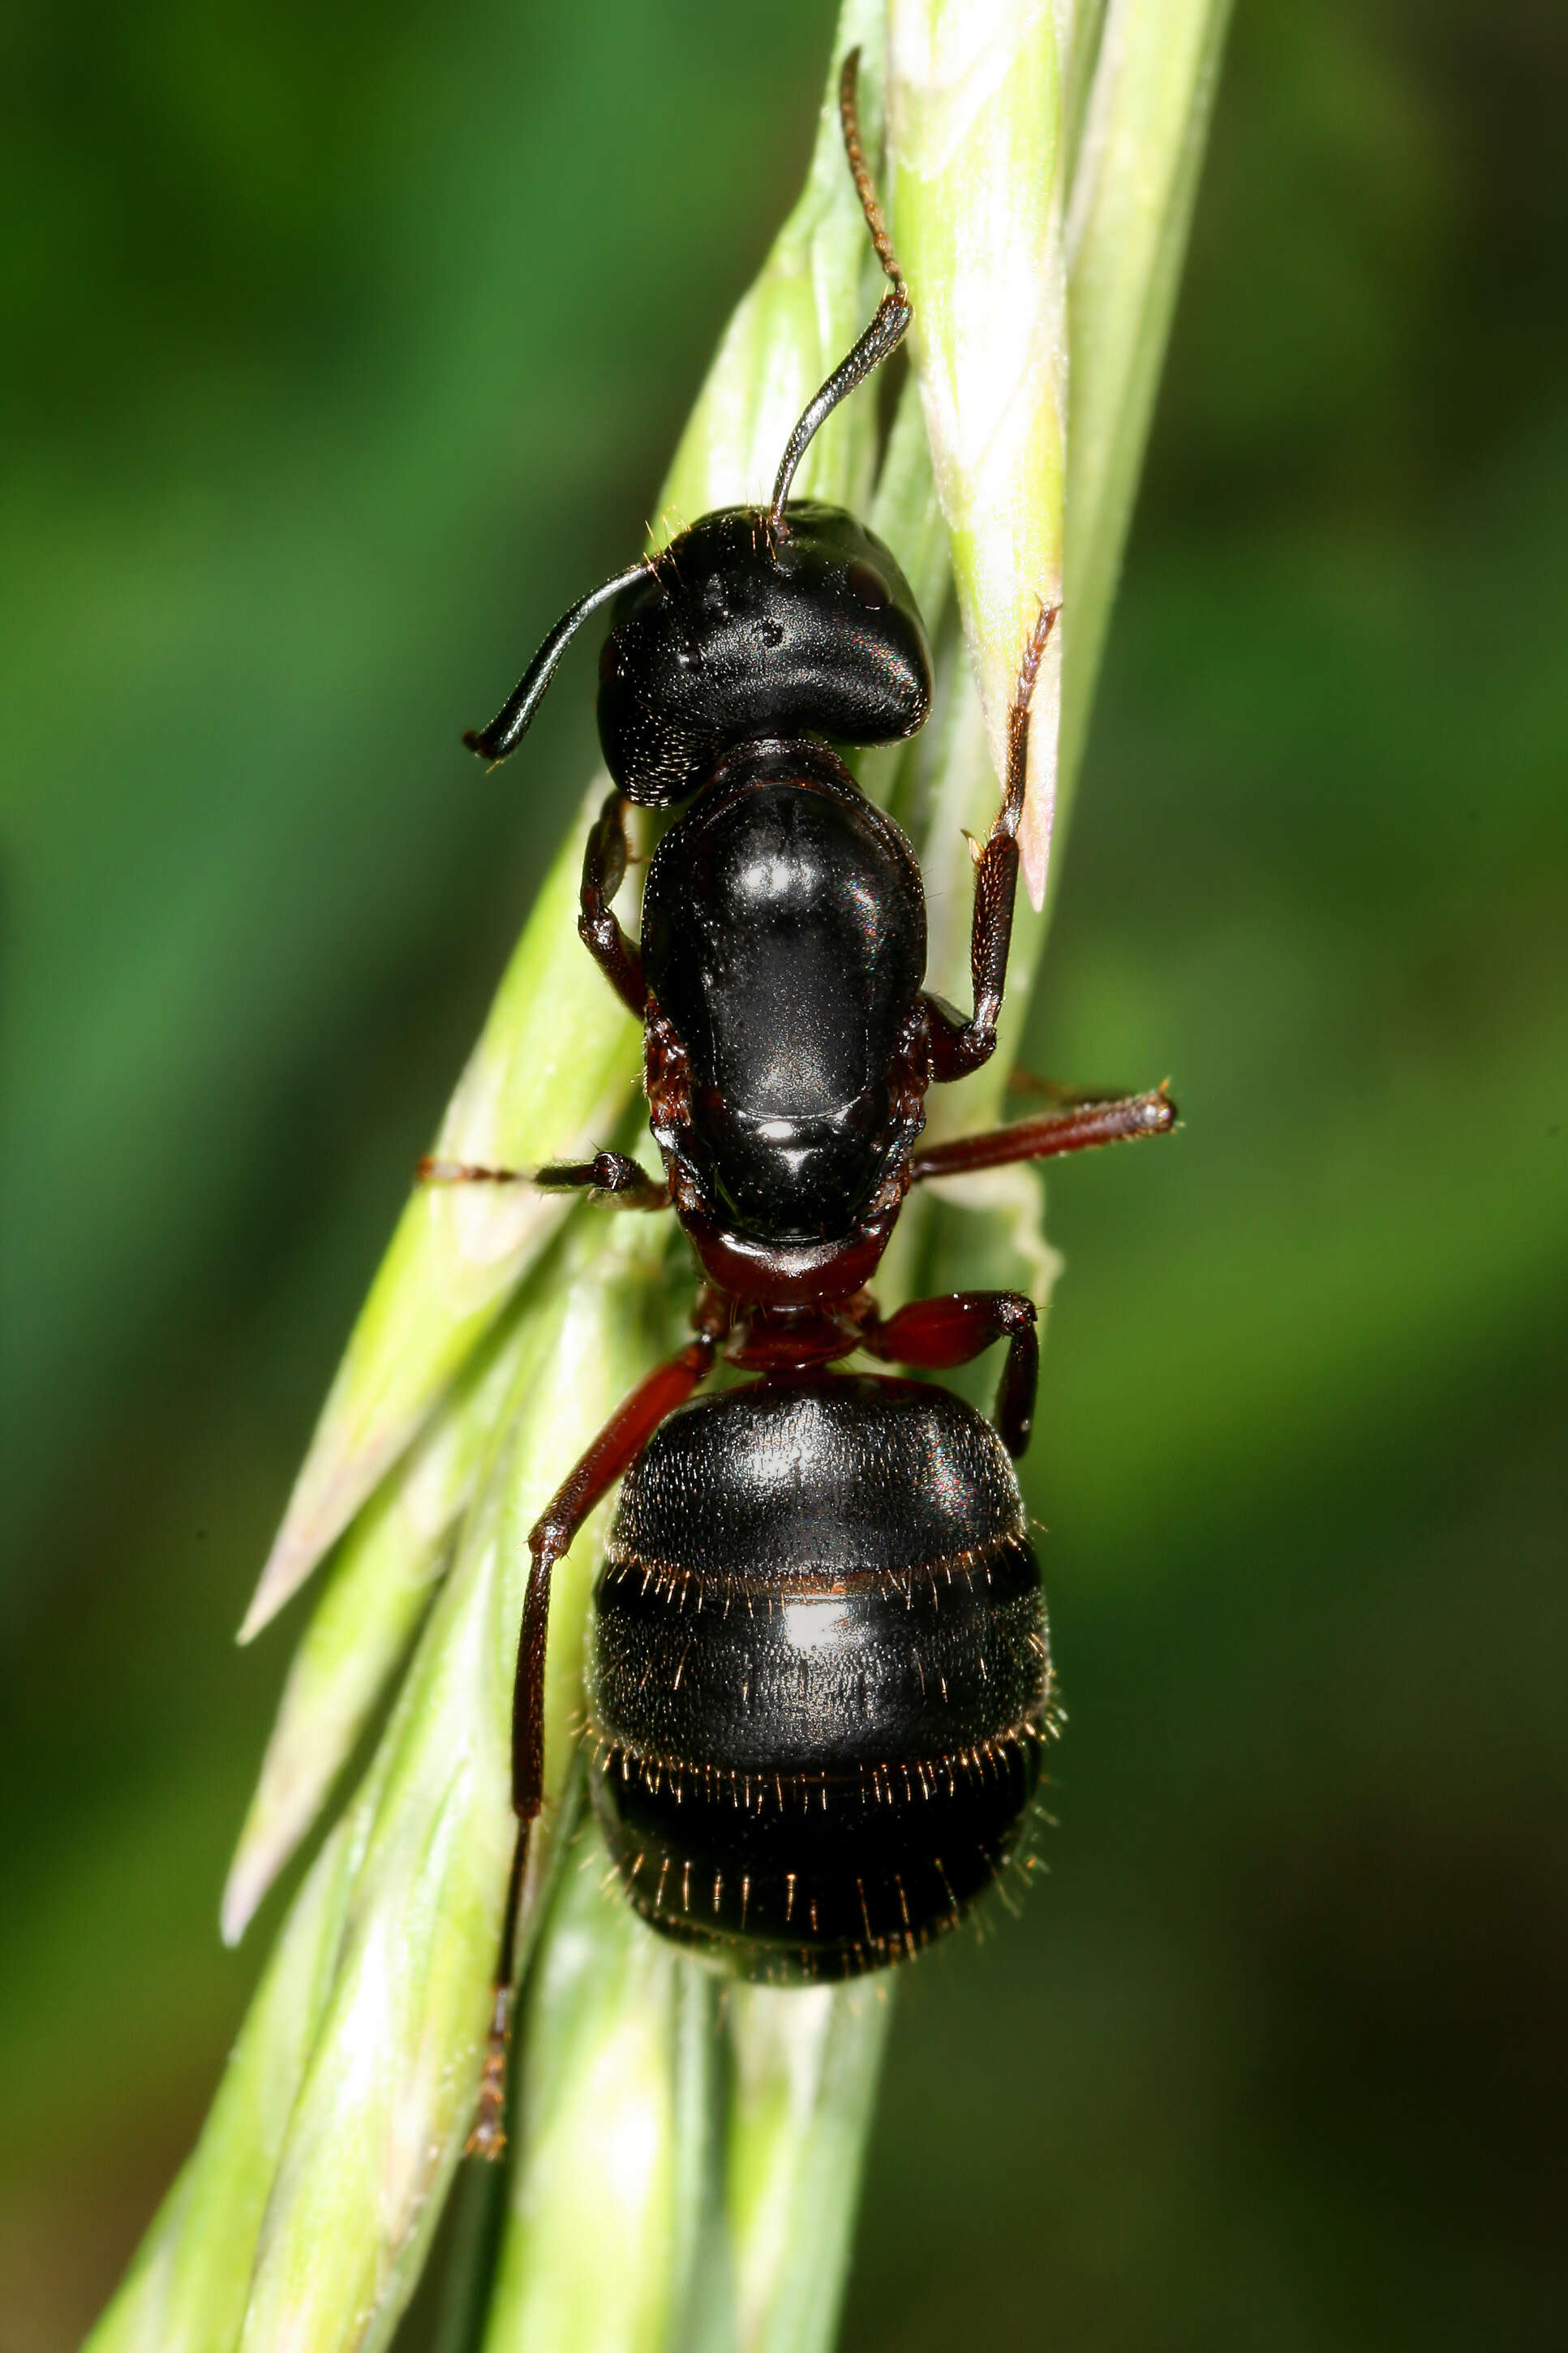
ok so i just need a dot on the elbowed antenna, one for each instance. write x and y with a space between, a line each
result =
883 335
511 723
860 172
895 311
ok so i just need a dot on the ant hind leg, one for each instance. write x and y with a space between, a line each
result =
618 1445
935 1334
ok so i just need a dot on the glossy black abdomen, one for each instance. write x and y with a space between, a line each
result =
784 935
820 1677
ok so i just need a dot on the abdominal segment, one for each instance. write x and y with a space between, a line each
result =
806 1783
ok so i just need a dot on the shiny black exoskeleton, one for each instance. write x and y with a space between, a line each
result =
784 922
819 1678
736 632
784 943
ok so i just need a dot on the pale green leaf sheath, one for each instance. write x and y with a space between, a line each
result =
975 139
380 1584
552 1076
591 2244
672 2183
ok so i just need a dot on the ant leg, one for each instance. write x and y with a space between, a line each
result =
609 1177
487 2138
935 1334
618 1445
958 1046
887 330
1077 1130
603 870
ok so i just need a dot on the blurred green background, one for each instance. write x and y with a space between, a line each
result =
341 348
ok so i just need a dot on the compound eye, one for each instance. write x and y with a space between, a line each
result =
868 591
609 662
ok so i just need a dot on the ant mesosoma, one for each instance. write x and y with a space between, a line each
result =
819 1676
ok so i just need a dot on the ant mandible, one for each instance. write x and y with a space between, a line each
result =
819 1674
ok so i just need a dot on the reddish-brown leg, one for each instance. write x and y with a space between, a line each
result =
604 870
936 1334
622 1438
958 1046
1077 1130
611 1176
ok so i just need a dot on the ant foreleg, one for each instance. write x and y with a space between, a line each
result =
935 1334
618 1444
611 1176
1078 1129
604 859
958 1046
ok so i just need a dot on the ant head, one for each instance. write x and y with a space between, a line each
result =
742 629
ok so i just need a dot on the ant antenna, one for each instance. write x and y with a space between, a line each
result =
894 312
860 171
512 722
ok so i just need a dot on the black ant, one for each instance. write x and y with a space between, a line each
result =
819 1676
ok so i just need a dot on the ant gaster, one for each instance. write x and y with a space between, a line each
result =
819 1676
